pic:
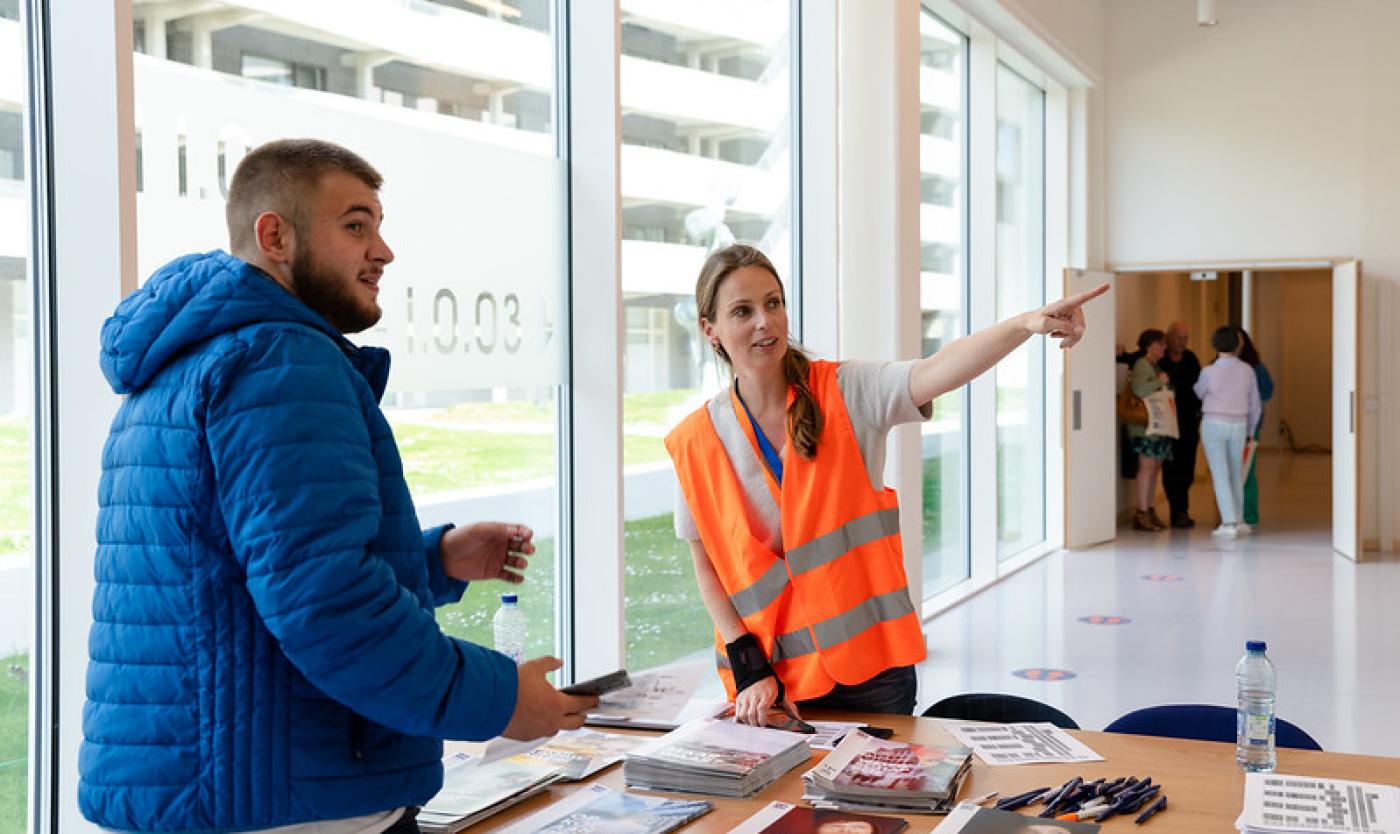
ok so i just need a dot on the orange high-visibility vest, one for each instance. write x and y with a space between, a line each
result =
835 607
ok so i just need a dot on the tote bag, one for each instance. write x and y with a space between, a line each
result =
1161 414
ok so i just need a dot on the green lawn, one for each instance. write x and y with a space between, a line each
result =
665 618
656 408
14 743
16 502
651 408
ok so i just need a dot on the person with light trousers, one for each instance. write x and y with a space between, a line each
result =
1230 413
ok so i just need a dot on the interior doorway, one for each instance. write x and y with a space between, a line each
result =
1304 319
1288 315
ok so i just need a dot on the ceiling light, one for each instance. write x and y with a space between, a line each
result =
1205 13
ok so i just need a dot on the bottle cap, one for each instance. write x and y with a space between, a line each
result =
1255 646
508 599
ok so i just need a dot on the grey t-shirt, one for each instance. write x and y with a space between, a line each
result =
877 399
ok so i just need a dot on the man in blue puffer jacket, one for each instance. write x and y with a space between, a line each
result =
263 651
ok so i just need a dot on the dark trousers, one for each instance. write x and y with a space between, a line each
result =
406 824
893 691
1180 472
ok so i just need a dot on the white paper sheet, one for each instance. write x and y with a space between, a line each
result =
1016 744
1276 802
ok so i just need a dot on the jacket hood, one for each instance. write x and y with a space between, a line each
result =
196 297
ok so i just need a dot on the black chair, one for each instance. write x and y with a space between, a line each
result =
998 709
1202 722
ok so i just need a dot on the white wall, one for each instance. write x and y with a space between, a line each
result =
1272 135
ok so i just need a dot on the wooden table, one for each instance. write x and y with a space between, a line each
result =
1205 786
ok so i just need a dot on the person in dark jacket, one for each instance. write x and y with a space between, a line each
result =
1249 355
264 651
1178 473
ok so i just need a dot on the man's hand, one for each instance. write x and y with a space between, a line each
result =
487 551
1063 319
540 709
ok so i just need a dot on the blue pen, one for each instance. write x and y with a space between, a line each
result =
1143 798
1011 803
1131 801
1159 805
1054 804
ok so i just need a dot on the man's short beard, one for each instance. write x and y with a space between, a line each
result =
328 295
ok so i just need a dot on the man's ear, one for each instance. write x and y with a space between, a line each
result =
275 237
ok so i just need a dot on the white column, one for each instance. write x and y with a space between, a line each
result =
878 233
202 46
86 257
1058 211
982 298
155 34
595 373
815 176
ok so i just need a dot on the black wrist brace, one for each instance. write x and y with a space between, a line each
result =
750 665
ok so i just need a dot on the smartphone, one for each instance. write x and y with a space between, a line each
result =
601 685
878 732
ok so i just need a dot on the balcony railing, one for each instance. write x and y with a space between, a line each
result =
659 176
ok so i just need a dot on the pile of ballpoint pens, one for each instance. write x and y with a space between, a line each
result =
1097 800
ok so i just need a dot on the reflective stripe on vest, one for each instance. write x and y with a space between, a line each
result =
843 539
814 554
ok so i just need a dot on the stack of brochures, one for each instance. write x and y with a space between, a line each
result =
598 810
782 818
1276 803
715 757
970 818
578 753
473 790
865 773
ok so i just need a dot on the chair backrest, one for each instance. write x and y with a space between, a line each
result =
1202 722
998 708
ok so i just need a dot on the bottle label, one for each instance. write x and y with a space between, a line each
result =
1259 730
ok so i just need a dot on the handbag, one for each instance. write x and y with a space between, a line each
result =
1130 407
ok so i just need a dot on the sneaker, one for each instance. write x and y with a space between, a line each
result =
1225 531
1243 529
1182 521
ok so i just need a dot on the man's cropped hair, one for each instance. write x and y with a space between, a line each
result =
282 176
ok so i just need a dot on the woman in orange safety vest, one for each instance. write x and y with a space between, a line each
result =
794 537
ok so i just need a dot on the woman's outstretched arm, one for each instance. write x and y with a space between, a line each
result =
965 359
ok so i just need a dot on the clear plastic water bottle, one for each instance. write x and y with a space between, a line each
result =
1254 730
509 627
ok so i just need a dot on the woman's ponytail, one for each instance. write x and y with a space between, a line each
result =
804 417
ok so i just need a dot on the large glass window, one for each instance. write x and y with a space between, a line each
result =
706 159
454 102
1020 285
16 432
942 296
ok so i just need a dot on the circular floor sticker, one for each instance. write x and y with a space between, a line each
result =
1162 577
1044 674
1102 619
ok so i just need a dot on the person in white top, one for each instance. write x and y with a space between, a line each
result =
1230 412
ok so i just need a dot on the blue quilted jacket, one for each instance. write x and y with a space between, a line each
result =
263 649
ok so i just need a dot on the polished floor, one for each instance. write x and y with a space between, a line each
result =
1333 627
